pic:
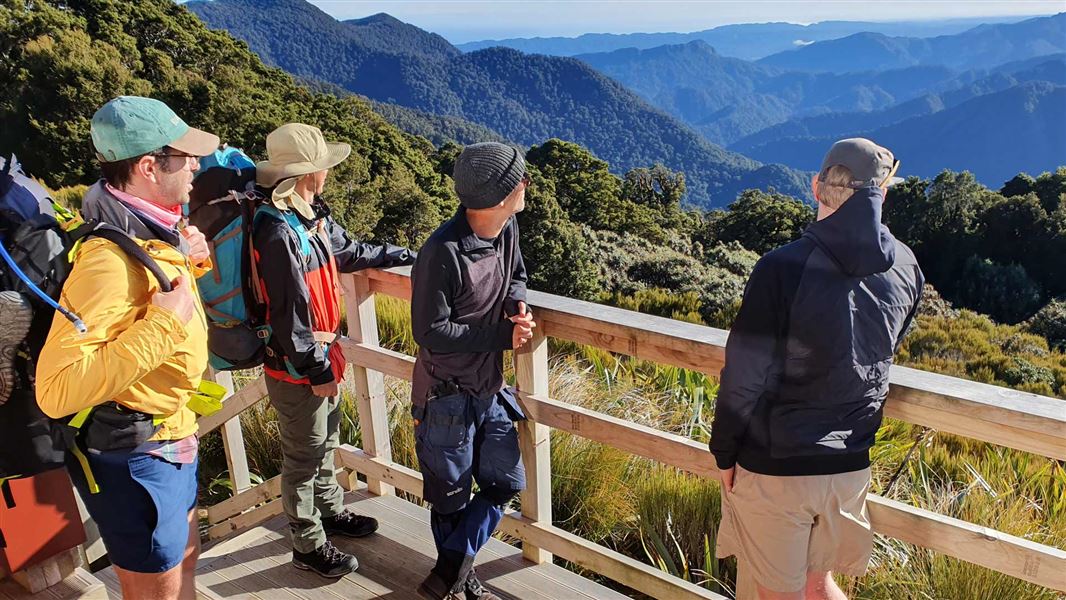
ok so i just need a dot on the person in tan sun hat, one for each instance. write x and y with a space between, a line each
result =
296 150
300 250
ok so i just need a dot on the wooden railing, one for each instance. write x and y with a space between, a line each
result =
1001 416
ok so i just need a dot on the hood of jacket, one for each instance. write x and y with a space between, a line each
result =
854 237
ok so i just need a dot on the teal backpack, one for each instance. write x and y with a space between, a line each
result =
225 206
222 206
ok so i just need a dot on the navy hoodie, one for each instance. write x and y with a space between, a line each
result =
806 370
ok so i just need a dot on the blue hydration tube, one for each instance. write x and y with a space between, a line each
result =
73 318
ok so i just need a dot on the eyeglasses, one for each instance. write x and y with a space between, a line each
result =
187 160
174 155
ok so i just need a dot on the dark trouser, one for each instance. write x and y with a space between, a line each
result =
310 432
462 439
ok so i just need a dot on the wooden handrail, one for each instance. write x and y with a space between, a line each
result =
1002 416
1033 562
1018 420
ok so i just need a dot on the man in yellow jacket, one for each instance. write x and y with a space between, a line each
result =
143 355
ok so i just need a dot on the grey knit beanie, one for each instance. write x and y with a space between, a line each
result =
487 173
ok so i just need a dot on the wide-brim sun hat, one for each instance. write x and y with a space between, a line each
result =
297 149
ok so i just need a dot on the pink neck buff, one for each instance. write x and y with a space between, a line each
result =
168 217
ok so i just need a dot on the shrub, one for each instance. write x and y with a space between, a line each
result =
1050 322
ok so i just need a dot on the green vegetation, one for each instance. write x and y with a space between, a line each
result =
997 253
60 64
670 519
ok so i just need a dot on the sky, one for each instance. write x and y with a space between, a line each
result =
469 20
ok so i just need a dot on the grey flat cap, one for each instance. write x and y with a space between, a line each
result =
869 163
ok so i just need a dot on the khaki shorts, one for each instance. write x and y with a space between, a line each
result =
783 527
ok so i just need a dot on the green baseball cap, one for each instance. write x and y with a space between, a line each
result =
130 126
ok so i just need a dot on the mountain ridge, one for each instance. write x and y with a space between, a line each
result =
525 98
980 47
743 40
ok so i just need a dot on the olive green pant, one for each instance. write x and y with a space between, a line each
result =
310 431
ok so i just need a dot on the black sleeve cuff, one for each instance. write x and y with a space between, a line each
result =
725 461
322 378
505 335
510 306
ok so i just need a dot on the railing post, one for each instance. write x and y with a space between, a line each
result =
531 373
369 385
233 438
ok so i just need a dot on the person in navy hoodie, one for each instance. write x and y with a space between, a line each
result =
805 381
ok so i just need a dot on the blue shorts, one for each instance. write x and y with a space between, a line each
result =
142 508
462 439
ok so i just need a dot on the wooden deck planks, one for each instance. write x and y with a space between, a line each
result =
392 563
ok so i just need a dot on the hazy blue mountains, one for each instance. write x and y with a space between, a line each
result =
524 98
984 46
995 136
746 40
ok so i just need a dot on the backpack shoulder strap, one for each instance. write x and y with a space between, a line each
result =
128 245
268 210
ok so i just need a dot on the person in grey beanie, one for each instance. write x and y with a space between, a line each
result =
467 307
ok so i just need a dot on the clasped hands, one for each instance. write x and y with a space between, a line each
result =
523 326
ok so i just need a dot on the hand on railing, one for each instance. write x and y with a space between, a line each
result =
523 326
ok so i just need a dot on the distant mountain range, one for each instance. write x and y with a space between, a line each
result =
524 98
995 136
774 114
841 124
982 47
748 40
728 98
937 99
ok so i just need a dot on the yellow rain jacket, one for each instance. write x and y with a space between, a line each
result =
135 353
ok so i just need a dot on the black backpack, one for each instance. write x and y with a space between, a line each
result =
36 239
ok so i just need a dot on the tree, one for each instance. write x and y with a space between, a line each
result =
553 248
1019 185
1004 292
940 222
1018 230
584 186
760 221
660 191
1051 188
902 210
589 193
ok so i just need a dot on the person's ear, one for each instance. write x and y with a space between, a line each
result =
148 168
